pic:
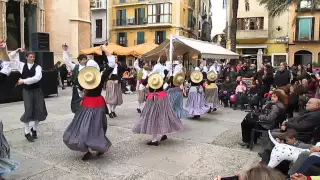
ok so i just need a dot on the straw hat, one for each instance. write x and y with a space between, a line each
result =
178 79
196 76
155 81
89 77
212 76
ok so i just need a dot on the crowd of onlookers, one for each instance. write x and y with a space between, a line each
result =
284 101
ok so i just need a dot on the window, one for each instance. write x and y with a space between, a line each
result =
122 39
139 15
130 62
160 13
277 59
121 17
305 28
98 28
224 5
190 19
140 38
160 36
305 4
99 4
254 23
247 5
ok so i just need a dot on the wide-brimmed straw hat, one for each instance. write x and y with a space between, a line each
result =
178 79
211 76
155 81
89 77
196 76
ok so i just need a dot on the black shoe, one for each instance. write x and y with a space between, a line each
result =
87 156
139 110
111 115
153 143
164 137
196 117
210 110
100 154
214 109
114 114
34 134
243 144
29 137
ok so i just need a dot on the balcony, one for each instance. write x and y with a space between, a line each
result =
159 41
252 34
163 20
128 2
139 41
306 6
129 22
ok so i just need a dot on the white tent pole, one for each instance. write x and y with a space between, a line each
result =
171 52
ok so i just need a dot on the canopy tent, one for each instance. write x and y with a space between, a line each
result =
182 45
112 48
142 48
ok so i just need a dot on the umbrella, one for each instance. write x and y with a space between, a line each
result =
142 48
112 48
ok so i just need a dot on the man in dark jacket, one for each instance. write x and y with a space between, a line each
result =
282 77
307 121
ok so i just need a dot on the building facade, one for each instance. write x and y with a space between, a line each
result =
204 20
65 25
305 35
99 22
134 22
256 30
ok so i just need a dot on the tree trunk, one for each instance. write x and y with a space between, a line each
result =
233 26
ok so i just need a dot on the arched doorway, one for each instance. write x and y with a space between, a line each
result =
302 57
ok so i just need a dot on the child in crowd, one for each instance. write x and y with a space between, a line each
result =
241 90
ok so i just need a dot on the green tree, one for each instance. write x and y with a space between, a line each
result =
233 25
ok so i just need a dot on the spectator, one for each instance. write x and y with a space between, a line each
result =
293 102
267 120
282 77
309 68
301 73
312 86
267 79
227 88
307 121
245 72
241 90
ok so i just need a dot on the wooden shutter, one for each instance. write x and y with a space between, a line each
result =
118 20
142 15
118 38
142 37
124 17
125 39
312 28
155 38
164 36
297 29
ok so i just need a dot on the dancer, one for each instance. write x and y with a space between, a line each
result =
211 93
196 105
157 118
89 125
34 104
77 93
142 76
113 89
175 93
6 164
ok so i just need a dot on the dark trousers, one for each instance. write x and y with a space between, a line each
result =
225 98
312 160
246 127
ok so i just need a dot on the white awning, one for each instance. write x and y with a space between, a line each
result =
252 46
184 45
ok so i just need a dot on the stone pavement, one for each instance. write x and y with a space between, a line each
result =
204 149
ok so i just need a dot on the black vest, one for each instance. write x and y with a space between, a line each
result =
26 73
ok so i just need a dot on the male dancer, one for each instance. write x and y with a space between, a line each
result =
141 77
77 92
34 105
113 88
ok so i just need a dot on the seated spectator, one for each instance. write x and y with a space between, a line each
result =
241 90
303 177
255 94
260 173
312 87
293 102
227 88
267 120
307 121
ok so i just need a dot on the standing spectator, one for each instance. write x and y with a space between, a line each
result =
63 74
282 77
57 68
301 73
309 68
267 79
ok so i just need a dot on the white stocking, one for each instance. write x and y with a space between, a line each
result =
109 108
154 138
113 108
26 128
35 125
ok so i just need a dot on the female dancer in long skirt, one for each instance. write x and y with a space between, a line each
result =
89 125
211 94
6 164
196 105
175 92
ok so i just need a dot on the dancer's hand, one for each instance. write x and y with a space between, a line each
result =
65 47
20 81
298 177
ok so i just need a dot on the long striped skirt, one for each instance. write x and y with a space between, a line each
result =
212 98
88 127
113 93
142 95
176 99
34 105
196 104
157 116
